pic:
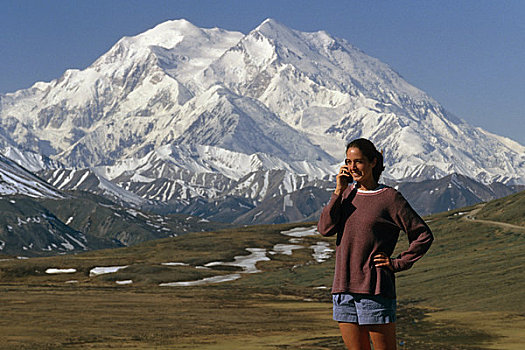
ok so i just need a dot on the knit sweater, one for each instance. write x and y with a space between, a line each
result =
367 223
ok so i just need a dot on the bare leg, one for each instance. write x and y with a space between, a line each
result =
383 336
355 336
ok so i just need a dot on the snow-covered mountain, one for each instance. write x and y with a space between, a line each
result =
181 113
16 180
41 219
330 90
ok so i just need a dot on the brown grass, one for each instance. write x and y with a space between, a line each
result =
465 294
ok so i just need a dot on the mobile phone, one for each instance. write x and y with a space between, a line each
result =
349 177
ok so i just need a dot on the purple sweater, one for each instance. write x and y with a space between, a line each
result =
367 223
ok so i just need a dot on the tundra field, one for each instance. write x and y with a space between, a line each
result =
466 293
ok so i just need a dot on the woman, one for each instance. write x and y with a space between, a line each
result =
367 218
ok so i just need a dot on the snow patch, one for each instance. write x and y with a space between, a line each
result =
301 232
214 279
287 202
52 271
322 251
286 249
248 262
175 264
67 245
96 271
124 282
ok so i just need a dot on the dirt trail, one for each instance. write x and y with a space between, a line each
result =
471 216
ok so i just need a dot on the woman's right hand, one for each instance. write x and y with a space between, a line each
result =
343 179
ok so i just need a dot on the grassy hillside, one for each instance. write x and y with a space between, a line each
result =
508 209
467 293
470 255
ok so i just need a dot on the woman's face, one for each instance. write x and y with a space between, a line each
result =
359 166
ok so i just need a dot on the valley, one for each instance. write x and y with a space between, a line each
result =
472 270
166 197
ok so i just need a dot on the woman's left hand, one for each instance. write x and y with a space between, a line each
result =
383 260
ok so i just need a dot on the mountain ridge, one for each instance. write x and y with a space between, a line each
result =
178 102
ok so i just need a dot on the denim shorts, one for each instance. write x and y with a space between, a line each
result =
363 309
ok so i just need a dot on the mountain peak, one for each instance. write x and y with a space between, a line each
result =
180 84
179 25
271 23
273 29
168 34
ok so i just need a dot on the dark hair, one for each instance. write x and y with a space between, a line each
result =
371 153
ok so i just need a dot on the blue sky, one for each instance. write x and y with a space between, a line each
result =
468 55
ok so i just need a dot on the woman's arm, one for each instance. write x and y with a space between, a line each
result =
420 237
328 224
